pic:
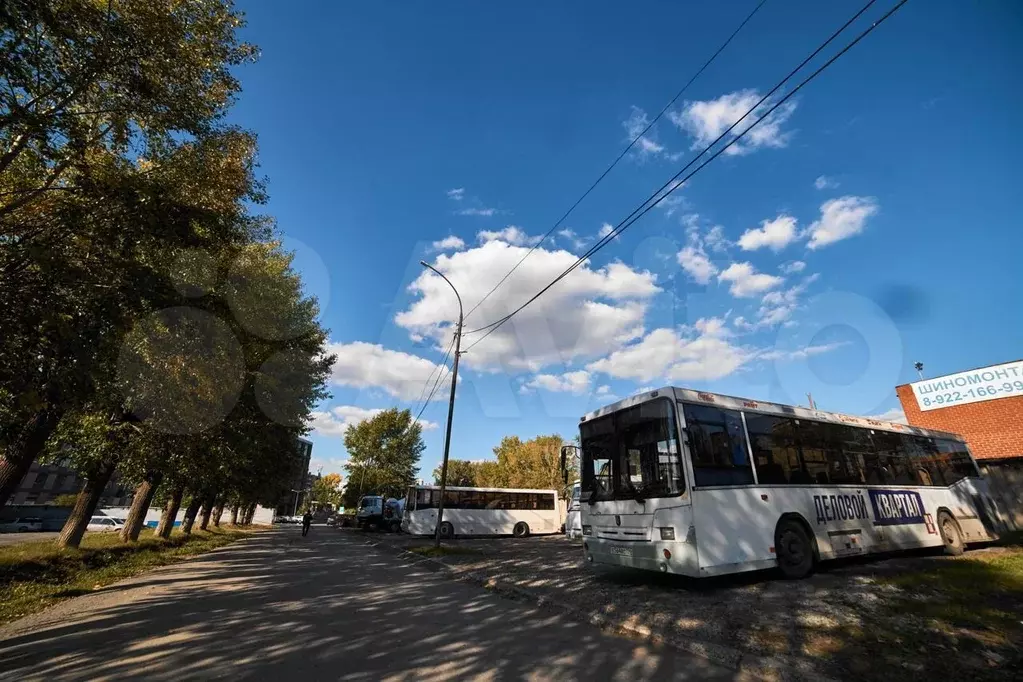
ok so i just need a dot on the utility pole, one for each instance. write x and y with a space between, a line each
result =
451 407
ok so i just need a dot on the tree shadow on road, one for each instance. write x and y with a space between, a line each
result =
272 608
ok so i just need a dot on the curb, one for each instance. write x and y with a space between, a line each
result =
776 668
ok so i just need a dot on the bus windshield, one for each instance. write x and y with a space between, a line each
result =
632 454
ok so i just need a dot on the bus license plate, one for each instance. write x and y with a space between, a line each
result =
621 551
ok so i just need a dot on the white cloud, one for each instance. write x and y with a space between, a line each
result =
333 422
577 382
778 306
587 314
478 211
792 267
707 120
801 353
605 230
510 235
367 365
893 415
774 234
700 353
449 242
695 263
458 193
715 239
746 282
693 257
840 219
578 242
634 126
603 390
824 182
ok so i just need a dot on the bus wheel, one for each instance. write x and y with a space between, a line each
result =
447 531
521 530
794 549
950 534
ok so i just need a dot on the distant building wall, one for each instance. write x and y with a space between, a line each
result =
45 482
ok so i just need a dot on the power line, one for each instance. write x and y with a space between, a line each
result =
640 211
442 366
621 155
436 368
672 183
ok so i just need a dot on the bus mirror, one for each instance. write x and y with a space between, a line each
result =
564 467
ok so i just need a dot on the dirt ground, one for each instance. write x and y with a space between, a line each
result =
912 616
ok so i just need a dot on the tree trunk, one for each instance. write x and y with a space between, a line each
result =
85 505
218 512
190 514
250 513
207 511
234 514
139 506
170 513
20 454
247 514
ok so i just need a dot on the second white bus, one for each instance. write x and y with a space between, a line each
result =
481 511
701 484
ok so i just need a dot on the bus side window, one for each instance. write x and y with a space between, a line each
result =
923 455
775 448
717 446
954 460
894 462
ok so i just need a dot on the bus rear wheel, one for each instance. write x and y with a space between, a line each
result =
521 530
950 534
794 549
447 531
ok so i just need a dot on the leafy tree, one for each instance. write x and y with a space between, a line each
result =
384 455
327 489
81 74
535 463
461 472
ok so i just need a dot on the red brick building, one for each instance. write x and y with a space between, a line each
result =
985 406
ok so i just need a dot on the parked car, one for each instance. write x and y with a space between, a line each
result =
104 523
23 524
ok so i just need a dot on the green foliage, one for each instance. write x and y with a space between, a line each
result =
327 490
34 575
65 500
384 455
535 463
150 319
461 472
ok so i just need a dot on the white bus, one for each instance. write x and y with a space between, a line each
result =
700 484
481 511
573 519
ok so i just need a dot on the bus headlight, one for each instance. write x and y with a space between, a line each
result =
667 533
587 530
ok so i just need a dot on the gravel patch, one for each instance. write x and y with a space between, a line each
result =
833 623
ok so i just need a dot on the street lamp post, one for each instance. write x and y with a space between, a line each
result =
451 406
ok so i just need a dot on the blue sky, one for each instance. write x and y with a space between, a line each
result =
871 223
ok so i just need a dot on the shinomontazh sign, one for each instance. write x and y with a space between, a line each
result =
987 383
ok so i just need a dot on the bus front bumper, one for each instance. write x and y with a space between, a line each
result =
643 555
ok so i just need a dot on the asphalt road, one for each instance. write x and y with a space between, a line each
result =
325 607
7 539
